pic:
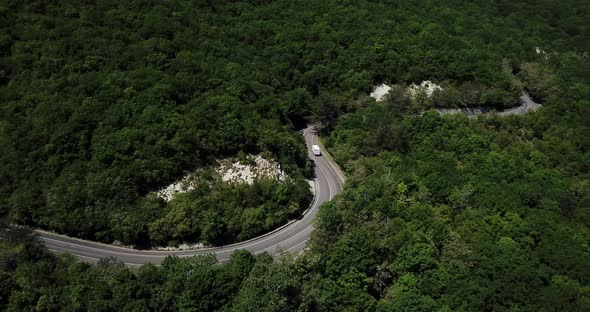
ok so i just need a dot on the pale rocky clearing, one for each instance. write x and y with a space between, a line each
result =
231 171
379 92
428 87
257 167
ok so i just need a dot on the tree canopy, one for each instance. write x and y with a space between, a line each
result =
106 101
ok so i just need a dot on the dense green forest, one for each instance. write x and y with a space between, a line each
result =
105 101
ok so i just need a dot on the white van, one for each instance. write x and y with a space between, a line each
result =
316 150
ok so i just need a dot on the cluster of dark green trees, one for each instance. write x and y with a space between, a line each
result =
216 213
103 102
33 279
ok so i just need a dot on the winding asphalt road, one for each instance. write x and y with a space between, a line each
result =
291 237
526 105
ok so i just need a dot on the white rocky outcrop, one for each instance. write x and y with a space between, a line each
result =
186 184
427 86
379 92
253 168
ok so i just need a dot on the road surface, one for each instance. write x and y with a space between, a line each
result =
288 238
526 105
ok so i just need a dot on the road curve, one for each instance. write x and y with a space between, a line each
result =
526 105
291 237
